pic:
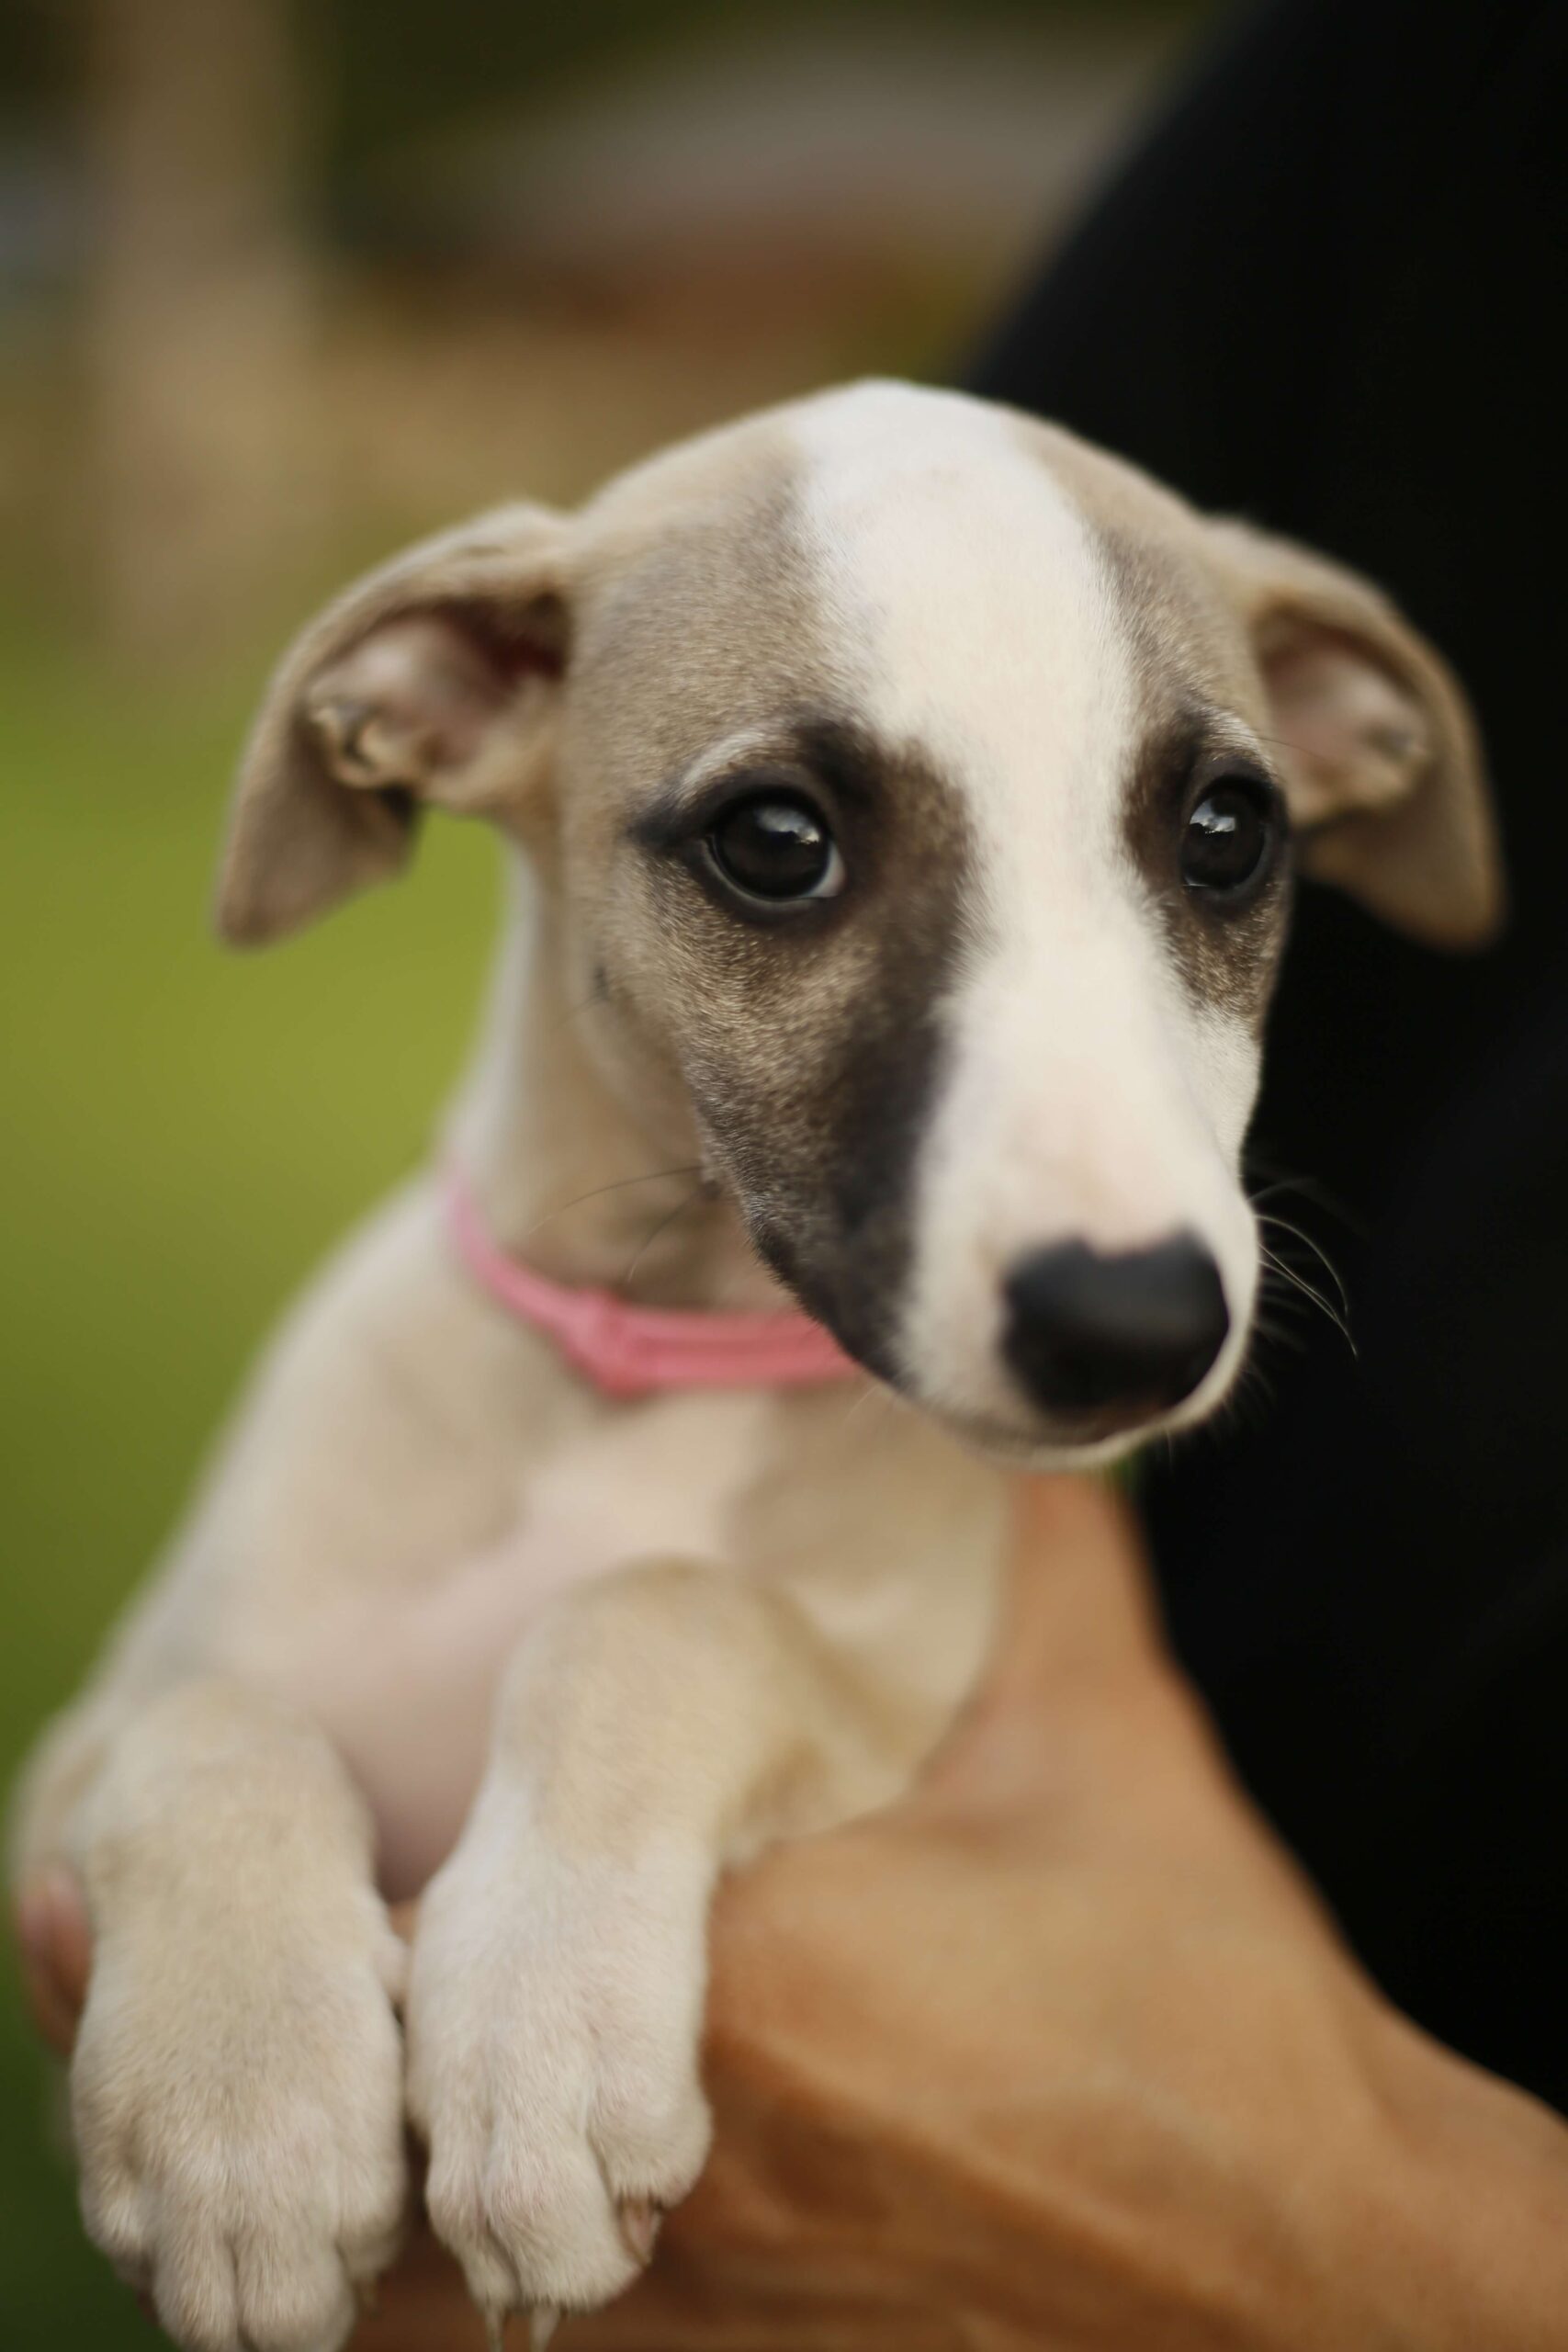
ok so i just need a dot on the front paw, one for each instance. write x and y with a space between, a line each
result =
238 2117
555 2009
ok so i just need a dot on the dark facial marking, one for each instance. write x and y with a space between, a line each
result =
811 1047
1227 951
813 1051
1224 948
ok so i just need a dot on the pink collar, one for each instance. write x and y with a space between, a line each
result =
636 1351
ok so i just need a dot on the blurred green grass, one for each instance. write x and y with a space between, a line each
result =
186 1130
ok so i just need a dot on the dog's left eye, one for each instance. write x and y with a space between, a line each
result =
1230 838
776 847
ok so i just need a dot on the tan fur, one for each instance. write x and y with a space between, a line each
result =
1408 825
440 1608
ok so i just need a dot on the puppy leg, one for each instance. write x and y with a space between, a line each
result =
651 1728
236 2089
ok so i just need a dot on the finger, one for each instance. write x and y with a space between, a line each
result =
54 2020
1079 1604
1086 1704
56 1948
1083 1599
1078 1655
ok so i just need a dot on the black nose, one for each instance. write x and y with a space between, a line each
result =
1137 1333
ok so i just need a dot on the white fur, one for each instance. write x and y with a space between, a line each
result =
1089 1100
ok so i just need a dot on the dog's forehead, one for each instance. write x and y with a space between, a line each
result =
967 586
962 582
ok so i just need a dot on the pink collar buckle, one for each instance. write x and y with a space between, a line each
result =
630 1352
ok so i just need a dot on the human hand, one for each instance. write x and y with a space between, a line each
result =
1065 2051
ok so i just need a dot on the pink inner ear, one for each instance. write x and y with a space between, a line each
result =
1352 735
422 682
414 700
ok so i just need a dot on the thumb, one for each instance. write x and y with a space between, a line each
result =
1081 1604
1079 1621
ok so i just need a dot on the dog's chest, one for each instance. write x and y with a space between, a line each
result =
404 1681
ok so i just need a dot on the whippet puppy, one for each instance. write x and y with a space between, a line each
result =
904 801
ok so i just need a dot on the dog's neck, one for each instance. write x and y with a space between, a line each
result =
568 1177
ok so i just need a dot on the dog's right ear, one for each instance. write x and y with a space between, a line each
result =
1381 764
436 679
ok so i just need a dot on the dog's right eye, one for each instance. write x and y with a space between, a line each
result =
776 847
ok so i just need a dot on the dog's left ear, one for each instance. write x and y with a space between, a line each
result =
1383 766
436 679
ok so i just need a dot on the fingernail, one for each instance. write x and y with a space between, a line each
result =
43 1902
640 2219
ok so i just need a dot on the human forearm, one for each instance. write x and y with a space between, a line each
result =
1473 2180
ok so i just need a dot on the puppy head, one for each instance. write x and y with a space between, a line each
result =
922 790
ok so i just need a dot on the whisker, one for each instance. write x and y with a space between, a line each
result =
1309 1241
1278 1335
871 1393
1283 741
1252 1398
1298 1282
665 1222
1307 1189
1279 1180
621 1184
1245 1406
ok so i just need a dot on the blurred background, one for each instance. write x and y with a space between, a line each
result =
281 287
